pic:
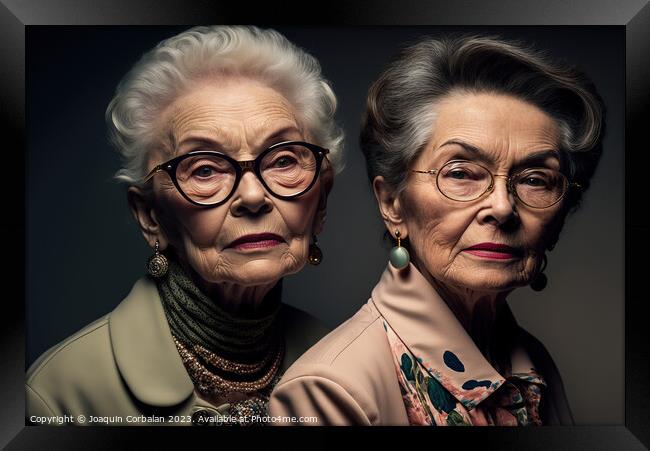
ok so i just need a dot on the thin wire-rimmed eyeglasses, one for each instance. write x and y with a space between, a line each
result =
466 181
209 178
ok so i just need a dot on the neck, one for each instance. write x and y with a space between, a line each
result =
479 313
237 300
196 316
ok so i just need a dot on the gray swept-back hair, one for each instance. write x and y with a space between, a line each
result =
171 68
401 104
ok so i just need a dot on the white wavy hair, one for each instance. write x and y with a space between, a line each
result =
171 68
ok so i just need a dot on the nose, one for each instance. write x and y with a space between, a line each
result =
499 206
250 197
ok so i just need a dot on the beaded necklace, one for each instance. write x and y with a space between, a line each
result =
225 356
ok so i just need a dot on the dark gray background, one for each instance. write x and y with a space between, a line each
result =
84 251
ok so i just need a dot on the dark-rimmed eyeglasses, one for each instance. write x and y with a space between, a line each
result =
466 181
209 178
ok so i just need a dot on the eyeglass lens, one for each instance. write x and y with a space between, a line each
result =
209 179
536 187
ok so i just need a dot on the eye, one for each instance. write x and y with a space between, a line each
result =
458 174
203 171
537 179
463 171
284 161
534 181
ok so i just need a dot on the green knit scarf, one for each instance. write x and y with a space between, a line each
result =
194 318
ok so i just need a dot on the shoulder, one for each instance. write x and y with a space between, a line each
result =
84 342
301 331
555 406
82 372
344 377
68 366
538 354
341 343
301 325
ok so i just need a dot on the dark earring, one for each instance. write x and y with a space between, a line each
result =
540 281
157 265
315 254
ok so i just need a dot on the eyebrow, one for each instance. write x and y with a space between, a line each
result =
538 157
270 140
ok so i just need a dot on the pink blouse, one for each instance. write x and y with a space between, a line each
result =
404 358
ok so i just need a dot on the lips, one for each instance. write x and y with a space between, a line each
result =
256 241
494 251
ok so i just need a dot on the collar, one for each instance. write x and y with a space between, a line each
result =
429 329
146 355
144 350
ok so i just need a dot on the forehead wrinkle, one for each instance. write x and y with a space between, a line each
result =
270 127
197 120
267 120
205 134
495 123
179 125
231 124
501 144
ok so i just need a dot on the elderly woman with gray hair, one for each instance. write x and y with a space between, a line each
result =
477 148
230 147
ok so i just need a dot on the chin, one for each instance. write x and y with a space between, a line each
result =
491 281
496 285
259 272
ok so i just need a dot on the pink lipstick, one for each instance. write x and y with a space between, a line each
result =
494 251
256 241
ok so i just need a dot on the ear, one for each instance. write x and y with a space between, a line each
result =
390 207
146 217
327 182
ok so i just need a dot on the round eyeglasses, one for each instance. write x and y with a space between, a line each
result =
465 181
209 178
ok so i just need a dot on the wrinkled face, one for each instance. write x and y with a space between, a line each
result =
494 243
253 238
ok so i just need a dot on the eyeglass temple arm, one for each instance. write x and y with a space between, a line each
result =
326 152
430 171
153 172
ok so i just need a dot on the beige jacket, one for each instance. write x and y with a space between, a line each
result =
350 378
124 368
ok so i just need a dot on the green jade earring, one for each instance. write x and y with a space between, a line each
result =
399 257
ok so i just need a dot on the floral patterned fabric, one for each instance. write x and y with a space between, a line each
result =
449 395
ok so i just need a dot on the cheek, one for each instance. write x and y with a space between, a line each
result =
203 228
298 215
184 223
435 227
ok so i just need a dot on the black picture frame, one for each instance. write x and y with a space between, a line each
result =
634 16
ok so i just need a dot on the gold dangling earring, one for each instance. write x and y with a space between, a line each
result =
157 265
315 254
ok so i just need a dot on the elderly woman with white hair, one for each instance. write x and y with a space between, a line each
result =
229 146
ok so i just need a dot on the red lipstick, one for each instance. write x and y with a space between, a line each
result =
494 251
256 241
